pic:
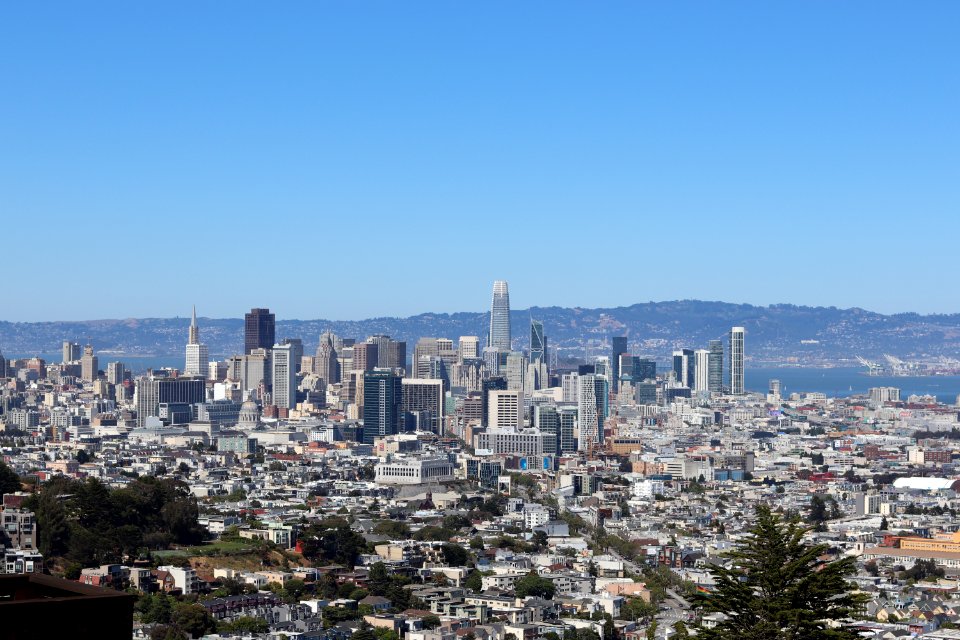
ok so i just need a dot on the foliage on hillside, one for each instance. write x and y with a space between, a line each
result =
88 524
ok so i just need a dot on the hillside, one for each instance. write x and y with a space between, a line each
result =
774 333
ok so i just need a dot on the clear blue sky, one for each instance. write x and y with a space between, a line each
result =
352 159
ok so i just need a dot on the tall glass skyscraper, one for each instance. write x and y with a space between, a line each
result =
619 344
736 361
499 338
716 366
382 404
538 342
259 330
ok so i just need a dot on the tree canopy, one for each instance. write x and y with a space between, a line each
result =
779 587
91 524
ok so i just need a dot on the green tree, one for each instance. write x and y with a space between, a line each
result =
245 624
778 587
431 622
533 585
9 481
193 619
476 543
455 555
474 581
652 630
818 512
167 632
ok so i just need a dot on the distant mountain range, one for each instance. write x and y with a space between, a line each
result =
774 334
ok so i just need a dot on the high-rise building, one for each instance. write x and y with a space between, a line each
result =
716 366
89 365
499 337
538 342
256 370
424 396
498 383
382 404
284 375
260 328
396 357
505 409
365 356
515 370
570 384
3 366
115 372
71 351
592 408
568 425
325 363
701 378
736 361
198 356
151 392
391 354
469 348
619 348
683 367
547 420
297 345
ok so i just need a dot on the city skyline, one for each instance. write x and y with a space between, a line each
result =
563 125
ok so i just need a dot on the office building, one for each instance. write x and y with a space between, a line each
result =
89 365
468 348
284 376
715 383
422 396
256 370
151 392
391 354
514 369
259 330
325 364
736 361
499 337
570 384
505 409
297 345
498 383
701 368
365 356
683 367
115 372
197 356
71 351
382 404
538 342
619 348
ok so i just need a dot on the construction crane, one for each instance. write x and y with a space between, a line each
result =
873 369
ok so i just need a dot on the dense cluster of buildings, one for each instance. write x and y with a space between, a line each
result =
668 457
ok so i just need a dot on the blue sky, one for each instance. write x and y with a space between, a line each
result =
352 159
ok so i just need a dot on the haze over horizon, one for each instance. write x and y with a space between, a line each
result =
329 160
514 310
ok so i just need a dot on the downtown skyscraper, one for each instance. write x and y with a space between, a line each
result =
260 328
197 356
736 361
499 338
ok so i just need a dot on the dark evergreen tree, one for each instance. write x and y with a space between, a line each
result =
9 481
778 587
